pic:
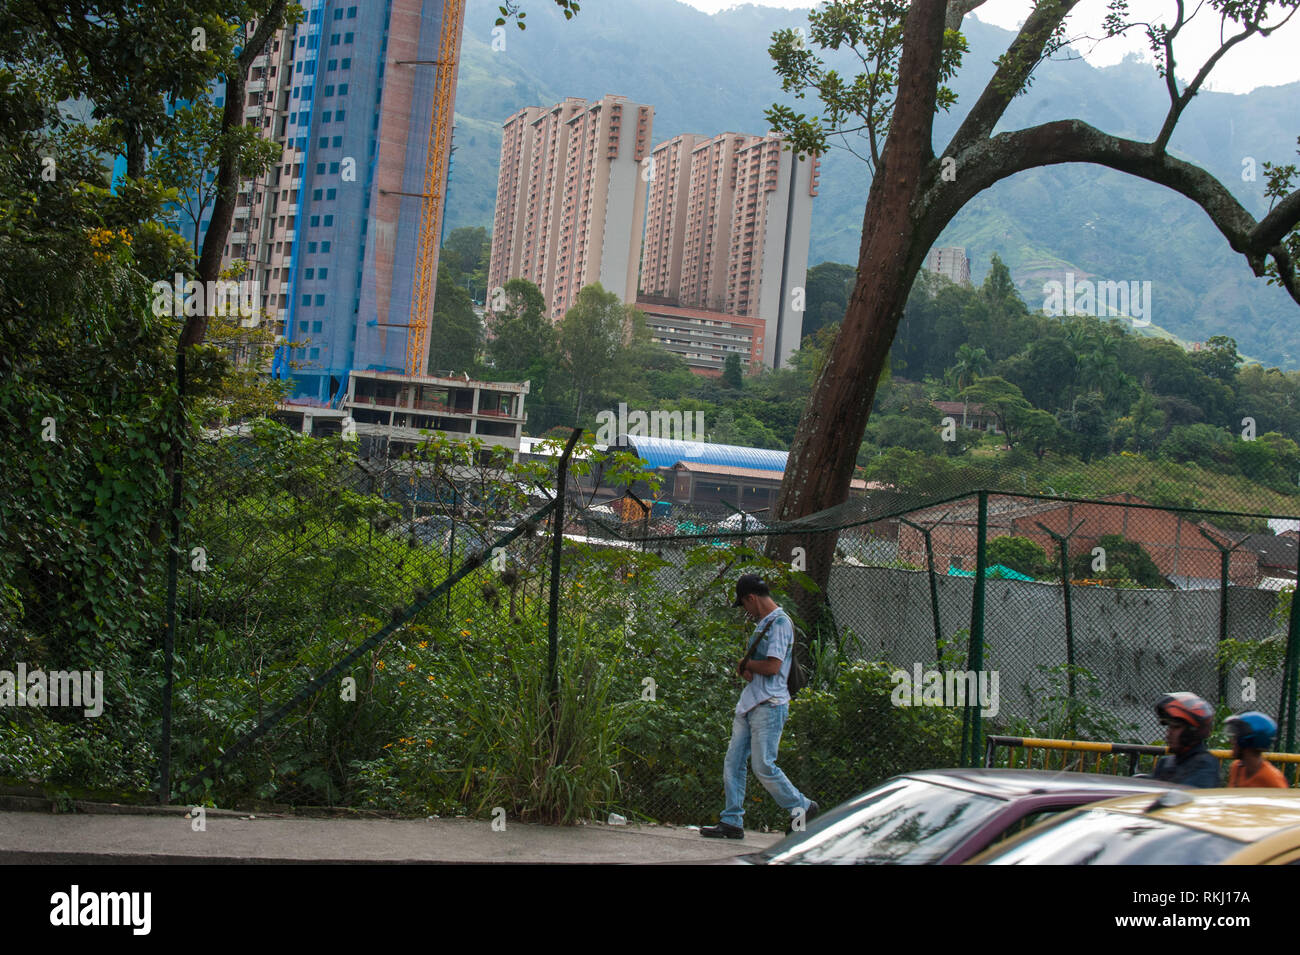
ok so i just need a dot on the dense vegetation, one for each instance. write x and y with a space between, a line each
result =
1080 405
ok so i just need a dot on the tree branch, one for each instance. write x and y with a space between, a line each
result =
227 179
919 66
1180 101
957 10
986 162
1281 219
1014 69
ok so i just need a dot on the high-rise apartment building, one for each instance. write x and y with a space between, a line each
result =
360 101
729 231
571 198
951 262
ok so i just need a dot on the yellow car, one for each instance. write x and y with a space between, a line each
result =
1180 827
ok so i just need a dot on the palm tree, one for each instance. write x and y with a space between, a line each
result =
970 363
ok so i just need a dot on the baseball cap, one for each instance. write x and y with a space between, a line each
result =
750 584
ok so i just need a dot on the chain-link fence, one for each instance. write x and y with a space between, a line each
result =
424 633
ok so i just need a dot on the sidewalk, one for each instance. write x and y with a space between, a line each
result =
166 836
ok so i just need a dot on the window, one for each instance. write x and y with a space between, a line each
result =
329 220
334 167
333 65
311 246
331 193
315 16
338 140
347 38
302 326
338 116
296 91
329 91
220 101
338 14
343 89
316 194
347 62
324 247
298 67
324 142
306 300
352 13
334 39
315 353
315 220
324 273
316 326
310 273
302 41
320 299
320 169
325 116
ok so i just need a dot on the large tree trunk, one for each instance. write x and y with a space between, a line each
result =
894 243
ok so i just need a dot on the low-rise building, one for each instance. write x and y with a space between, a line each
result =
401 408
704 338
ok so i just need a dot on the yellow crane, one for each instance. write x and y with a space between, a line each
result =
440 127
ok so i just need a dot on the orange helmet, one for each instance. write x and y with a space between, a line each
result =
1187 708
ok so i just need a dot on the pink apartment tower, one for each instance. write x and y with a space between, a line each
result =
728 223
571 195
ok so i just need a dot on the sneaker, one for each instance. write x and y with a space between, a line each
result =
811 811
723 830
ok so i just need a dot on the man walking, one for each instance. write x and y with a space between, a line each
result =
761 713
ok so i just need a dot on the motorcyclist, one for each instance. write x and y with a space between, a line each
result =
1188 720
1252 734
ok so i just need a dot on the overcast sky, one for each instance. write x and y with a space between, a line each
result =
1258 61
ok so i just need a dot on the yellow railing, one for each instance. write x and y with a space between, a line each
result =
1085 756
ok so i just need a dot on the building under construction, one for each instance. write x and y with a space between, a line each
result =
342 234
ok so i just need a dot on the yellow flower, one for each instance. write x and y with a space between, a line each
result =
424 644
464 633
410 666
430 677
379 665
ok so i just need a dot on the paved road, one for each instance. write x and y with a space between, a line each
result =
168 837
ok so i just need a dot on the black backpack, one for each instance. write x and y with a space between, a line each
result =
798 677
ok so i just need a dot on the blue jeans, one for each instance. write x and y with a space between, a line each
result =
757 733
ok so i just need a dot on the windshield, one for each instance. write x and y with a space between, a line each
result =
1098 837
903 821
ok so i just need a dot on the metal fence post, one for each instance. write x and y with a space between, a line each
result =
1064 543
970 724
553 618
1225 555
934 586
1291 672
173 558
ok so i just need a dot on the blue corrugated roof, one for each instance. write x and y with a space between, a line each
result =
664 453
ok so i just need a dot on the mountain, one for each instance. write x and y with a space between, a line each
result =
712 73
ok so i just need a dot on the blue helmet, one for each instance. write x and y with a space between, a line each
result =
1252 730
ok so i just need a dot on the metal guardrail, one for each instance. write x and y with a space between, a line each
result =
1134 752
